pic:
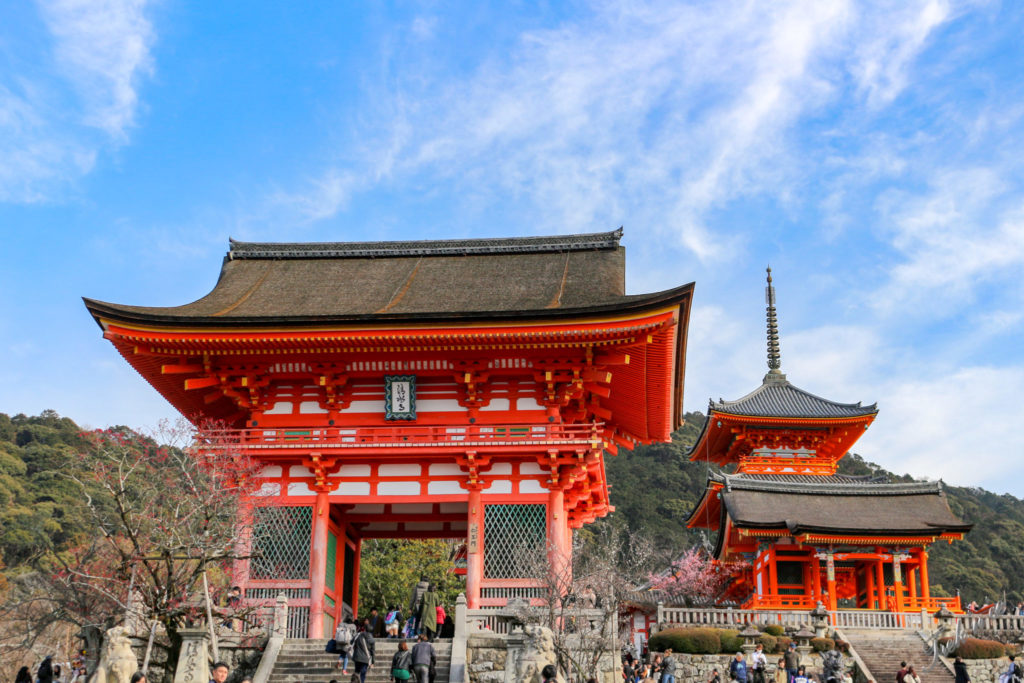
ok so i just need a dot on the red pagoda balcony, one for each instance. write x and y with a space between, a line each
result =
267 442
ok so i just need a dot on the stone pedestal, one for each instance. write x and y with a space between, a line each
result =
194 659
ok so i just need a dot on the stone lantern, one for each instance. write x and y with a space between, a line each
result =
945 619
803 643
819 620
750 636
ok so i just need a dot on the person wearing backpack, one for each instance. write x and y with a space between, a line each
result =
363 652
401 663
343 637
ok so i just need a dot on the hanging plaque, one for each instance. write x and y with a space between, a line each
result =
400 397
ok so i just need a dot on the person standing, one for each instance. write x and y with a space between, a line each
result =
792 660
759 663
668 667
738 669
23 676
549 674
219 672
428 612
423 659
364 651
911 675
960 671
45 672
781 674
416 602
343 637
901 673
401 663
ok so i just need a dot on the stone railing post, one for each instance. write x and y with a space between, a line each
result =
457 667
194 658
279 627
660 616
278 633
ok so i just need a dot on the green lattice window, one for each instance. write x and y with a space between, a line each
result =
280 543
514 539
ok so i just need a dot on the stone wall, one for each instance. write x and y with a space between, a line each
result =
486 655
985 670
697 668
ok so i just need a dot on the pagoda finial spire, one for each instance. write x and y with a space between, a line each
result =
774 356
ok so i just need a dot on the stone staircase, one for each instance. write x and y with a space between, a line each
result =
882 652
304 661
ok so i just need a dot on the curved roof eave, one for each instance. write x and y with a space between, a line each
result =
627 304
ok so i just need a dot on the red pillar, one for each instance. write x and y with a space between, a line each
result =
880 582
474 548
869 580
925 590
816 576
318 565
559 549
243 546
830 568
355 577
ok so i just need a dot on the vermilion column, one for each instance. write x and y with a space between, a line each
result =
318 566
559 549
355 576
925 590
474 548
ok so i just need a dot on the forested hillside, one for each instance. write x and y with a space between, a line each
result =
653 490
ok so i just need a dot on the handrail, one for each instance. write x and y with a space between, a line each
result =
401 436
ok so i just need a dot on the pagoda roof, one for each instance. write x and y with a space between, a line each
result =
777 397
834 504
314 283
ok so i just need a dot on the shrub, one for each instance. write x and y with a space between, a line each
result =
694 641
978 648
783 644
770 642
730 641
822 644
774 630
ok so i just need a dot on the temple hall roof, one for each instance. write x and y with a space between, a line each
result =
777 397
555 276
836 504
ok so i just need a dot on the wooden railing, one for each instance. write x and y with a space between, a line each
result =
931 605
785 602
266 440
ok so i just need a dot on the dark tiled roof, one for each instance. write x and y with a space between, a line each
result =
517 277
826 479
838 484
776 397
839 506
499 245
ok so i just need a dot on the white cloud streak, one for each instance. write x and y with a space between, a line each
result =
82 97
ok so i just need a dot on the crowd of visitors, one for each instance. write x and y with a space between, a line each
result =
49 671
661 667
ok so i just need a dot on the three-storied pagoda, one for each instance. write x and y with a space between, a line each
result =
434 389
808 533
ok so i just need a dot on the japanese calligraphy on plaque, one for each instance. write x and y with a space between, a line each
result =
400 397
473 544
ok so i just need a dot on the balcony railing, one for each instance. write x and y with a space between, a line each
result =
273 441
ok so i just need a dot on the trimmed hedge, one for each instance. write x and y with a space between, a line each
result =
783 644
822 644
770 642
694 641
979 648
774 630
731 641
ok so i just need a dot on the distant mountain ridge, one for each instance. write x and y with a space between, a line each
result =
654 488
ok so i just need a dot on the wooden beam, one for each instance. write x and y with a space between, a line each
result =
181 369
201 383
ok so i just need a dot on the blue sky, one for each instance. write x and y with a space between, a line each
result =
870 151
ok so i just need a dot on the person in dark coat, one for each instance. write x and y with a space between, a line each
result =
45 673
428 612
416 602
23 676
960 671
364 651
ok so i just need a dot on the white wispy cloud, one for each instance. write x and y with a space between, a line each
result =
659 112
80 97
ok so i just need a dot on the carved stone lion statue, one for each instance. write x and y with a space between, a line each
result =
539 651
118 662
